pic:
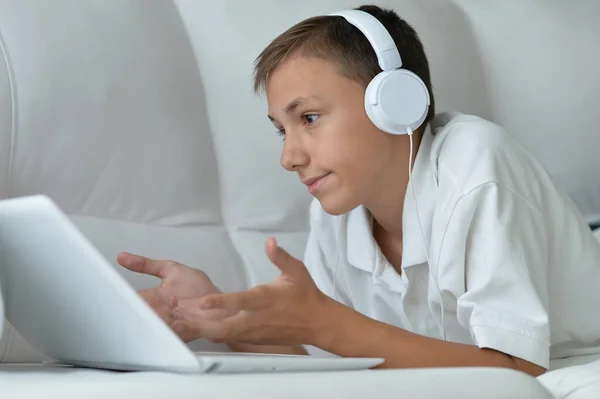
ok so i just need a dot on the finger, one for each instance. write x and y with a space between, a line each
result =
192 310
216 330
141 264
183 331
256 298
184 323
283 260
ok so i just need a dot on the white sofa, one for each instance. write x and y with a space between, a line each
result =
137 118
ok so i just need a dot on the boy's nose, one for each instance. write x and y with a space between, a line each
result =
292 156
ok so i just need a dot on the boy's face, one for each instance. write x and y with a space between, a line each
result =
329 140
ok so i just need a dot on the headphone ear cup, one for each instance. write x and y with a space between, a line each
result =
397 101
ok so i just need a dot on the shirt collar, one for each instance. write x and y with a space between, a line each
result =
361 248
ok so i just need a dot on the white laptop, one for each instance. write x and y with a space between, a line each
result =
70 303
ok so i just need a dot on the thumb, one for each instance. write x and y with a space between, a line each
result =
283 260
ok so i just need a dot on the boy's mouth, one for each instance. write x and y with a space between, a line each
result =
313 183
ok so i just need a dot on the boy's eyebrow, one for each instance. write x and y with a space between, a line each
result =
294 104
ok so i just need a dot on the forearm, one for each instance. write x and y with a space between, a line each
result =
274 349
350 334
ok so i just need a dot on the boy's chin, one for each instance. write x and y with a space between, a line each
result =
336 206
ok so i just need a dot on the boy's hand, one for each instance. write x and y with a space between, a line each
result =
177 281
288 311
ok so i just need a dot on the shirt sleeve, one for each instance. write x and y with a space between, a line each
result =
498 242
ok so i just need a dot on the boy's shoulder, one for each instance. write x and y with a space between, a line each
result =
456 136
472 151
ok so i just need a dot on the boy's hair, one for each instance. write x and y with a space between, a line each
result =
333 38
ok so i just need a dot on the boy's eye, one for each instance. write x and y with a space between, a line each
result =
310 118
281 132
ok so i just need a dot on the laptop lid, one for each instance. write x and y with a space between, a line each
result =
68 302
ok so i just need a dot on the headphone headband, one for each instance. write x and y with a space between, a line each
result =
388 56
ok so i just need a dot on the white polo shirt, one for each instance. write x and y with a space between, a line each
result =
517 267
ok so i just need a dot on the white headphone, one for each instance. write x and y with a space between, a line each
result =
396 100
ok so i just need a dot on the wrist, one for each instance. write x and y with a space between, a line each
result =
330 321
345 332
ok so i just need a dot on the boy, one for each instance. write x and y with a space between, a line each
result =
477 261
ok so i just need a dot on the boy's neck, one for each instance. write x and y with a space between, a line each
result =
387 203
